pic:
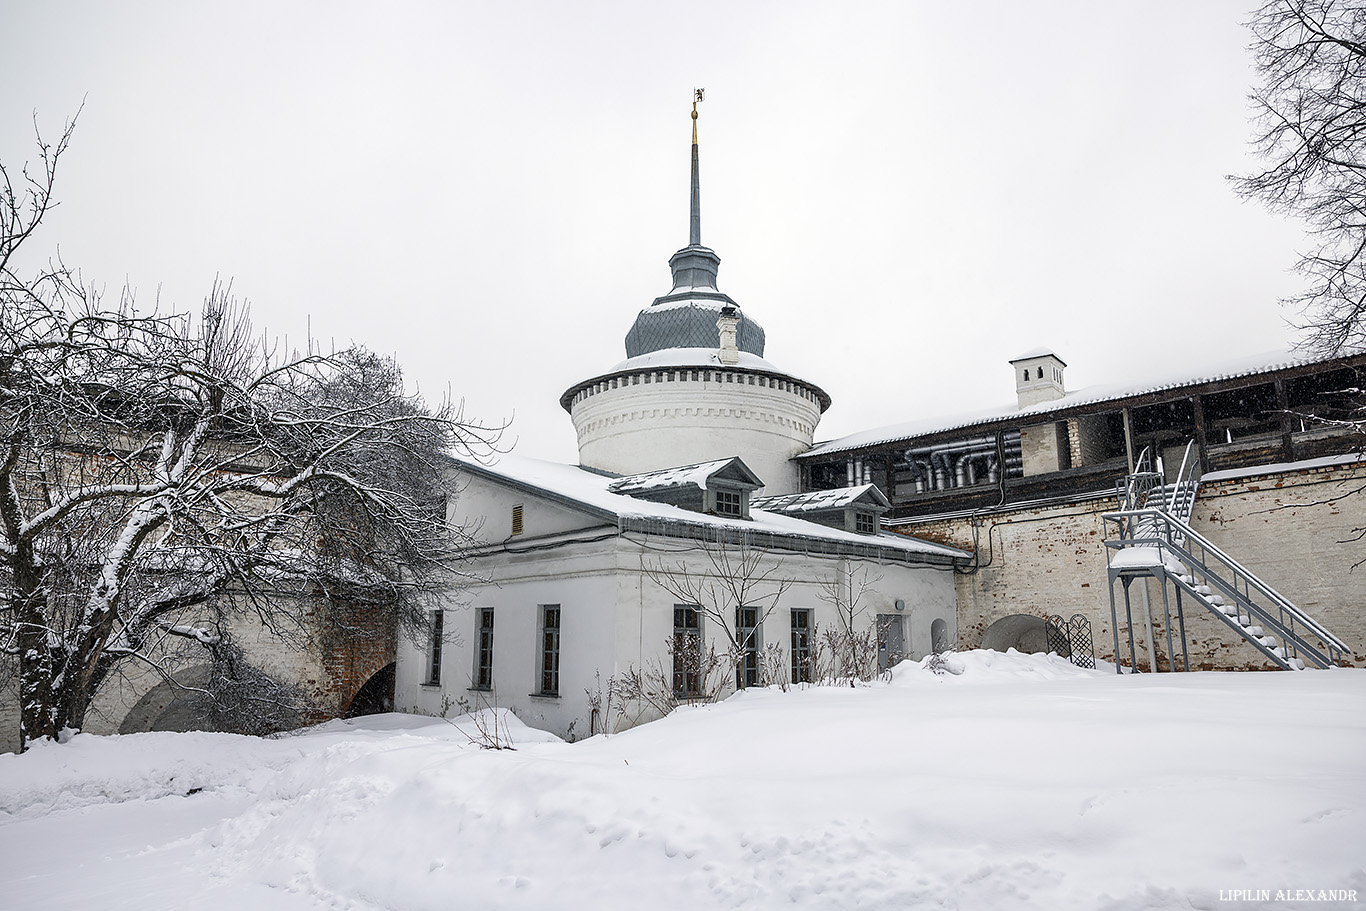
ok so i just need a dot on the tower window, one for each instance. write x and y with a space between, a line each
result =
1026 376
1040 376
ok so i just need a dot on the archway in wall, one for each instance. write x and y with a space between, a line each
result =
168 707
375 696
1022 632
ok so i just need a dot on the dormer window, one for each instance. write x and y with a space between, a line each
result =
865 523
721 487
730 503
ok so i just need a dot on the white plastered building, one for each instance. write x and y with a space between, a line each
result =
675 442
572 593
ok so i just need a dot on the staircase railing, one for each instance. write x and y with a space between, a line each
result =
1205 565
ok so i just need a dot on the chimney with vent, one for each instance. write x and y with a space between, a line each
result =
726 325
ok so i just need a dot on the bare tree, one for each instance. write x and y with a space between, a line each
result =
1310 125
162 476
853 644
735 590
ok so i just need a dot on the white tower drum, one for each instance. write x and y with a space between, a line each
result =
695 385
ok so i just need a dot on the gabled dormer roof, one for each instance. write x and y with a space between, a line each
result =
587 492
732 473
824 500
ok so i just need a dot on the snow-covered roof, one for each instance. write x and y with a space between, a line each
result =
591 493
820 500
1175 378
1035 352
698 476
691 357
701 358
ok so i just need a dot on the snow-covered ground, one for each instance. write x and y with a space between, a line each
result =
1020 782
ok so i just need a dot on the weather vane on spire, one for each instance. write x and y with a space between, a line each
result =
695 217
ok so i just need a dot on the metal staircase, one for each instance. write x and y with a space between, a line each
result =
1150 536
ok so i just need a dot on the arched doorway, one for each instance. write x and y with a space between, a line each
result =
1022 632
375 696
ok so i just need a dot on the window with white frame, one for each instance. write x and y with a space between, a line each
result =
802 632
550 650
438 622
687 651
483 659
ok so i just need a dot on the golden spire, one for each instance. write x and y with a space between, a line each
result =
695 216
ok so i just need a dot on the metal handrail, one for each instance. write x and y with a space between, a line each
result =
1177 527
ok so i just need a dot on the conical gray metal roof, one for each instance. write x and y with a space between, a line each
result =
686 316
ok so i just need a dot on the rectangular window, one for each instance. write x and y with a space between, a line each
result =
438 619
483 670
747 636
728 503
517 519
801 645
550 650
687 651
864 523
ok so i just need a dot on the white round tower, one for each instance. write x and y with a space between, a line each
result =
695 385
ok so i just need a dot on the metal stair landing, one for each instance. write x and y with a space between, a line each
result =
1150 536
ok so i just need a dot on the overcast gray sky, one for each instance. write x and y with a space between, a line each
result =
905 195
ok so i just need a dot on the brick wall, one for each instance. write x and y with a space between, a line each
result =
1292 529
357 641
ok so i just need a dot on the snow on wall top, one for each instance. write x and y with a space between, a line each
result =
586 489
1248 365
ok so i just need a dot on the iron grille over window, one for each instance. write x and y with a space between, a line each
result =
550 649
747 635
483 674
687 651
801 645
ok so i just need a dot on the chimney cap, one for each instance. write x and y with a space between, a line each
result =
1033 353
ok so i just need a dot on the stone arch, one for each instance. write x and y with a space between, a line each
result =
1022 632
375 695
169 706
